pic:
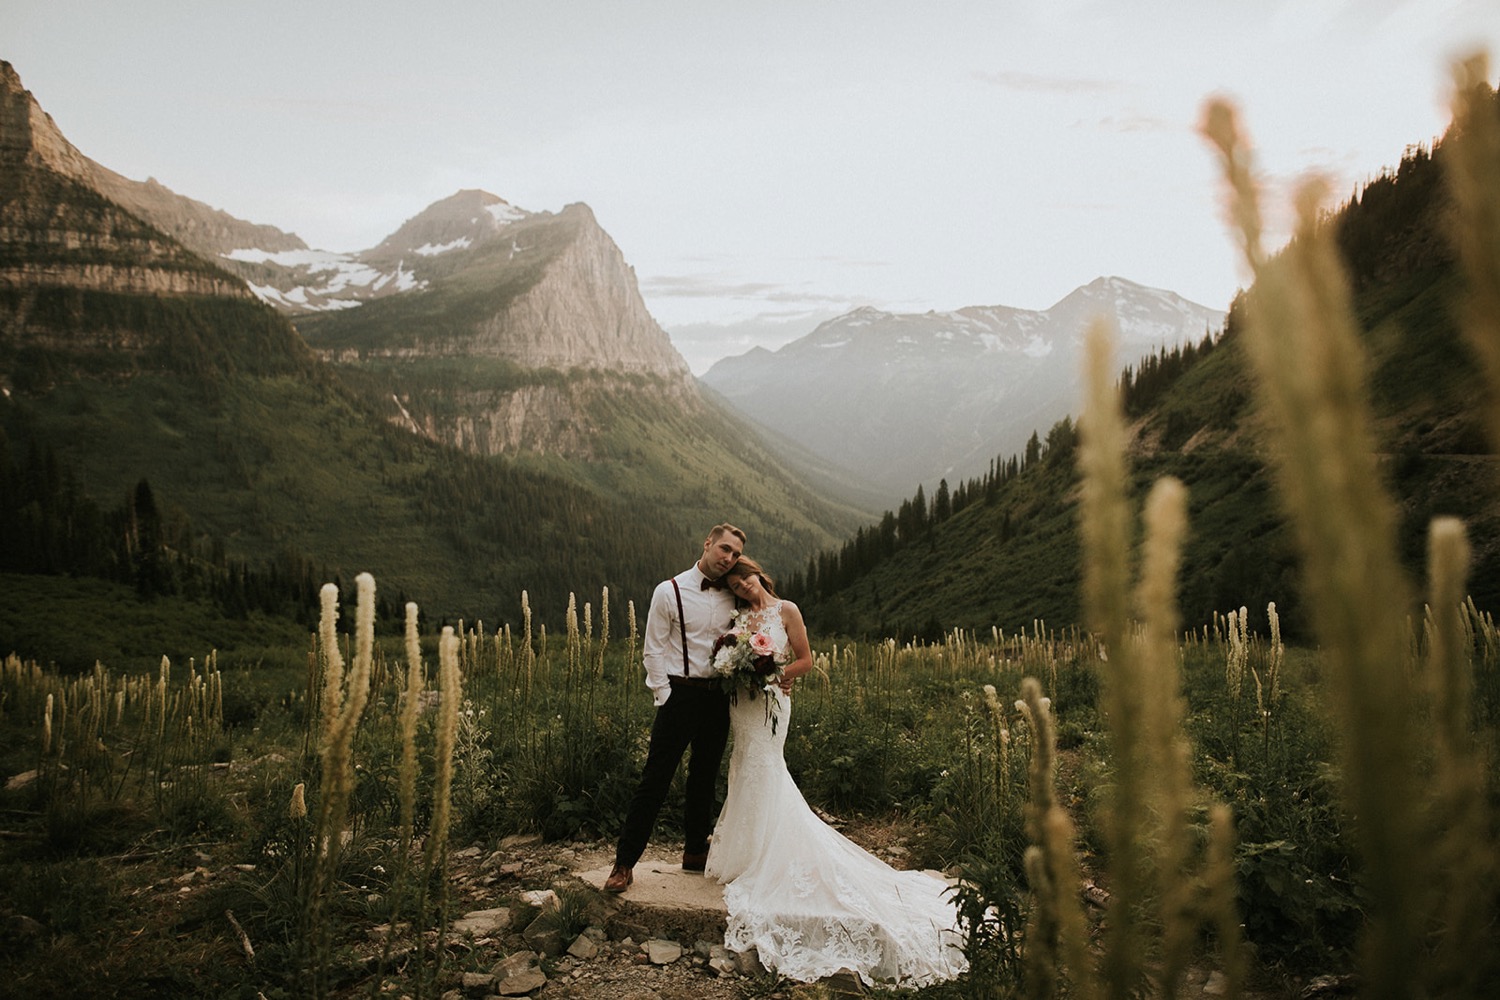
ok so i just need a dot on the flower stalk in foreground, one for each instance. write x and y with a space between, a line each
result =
1303 345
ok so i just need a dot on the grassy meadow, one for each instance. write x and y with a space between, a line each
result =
1124 800
496 731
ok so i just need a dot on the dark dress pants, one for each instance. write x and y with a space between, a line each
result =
696 717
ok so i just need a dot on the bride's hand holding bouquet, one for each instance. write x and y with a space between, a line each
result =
746 658
766 645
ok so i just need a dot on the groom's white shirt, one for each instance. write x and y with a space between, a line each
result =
707 613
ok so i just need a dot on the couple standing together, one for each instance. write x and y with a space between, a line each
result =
810 901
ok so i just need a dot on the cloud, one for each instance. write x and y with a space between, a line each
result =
1134 121
701 286
1036 83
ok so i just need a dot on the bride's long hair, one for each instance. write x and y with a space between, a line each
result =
746 566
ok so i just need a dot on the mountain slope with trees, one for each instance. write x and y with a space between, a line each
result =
162 427
1002 550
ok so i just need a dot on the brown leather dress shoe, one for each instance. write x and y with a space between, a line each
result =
694 862
619 879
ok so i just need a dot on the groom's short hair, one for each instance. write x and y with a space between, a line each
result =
726 527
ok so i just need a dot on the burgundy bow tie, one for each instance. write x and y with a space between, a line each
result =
708 584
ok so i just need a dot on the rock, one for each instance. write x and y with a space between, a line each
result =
845 983
517 975
533 903
467 852
511 964
663 952
477 984
623 929
747 963
1216 985
1324 987
519 840
721 960
542 899
521 983
19 781
543 935
583 947
483 923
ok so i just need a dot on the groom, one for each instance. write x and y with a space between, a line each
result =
688 612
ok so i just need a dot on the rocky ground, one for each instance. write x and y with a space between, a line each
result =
660 940
535 922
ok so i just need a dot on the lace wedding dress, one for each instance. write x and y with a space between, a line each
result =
807 898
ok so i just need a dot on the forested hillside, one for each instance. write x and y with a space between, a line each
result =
163 433
1003 550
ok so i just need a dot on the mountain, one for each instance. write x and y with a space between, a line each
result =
1004 551
85 283
298 280
508 419
902 399
515 337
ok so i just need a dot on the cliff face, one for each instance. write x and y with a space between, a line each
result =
29 138
57 230
201 228
545 302
88 285
585 312
475 276
534 297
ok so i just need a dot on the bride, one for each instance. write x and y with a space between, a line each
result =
806 898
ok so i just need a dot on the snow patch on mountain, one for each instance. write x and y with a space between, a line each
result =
503 212
432 250
342 279
299 299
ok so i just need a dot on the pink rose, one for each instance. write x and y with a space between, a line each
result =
761 644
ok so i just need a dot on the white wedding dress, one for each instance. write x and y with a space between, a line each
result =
809 900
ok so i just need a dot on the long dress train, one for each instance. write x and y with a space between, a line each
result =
807 898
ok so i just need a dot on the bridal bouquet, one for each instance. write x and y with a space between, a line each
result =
746 659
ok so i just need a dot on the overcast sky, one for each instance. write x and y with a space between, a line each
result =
763 161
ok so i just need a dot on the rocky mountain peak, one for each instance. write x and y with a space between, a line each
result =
901 398
29 135
584 311
463 220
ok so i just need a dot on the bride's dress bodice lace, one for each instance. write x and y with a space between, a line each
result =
807 898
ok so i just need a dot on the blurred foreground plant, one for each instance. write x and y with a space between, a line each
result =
1302 339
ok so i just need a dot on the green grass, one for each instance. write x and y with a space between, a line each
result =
555 748
72 623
